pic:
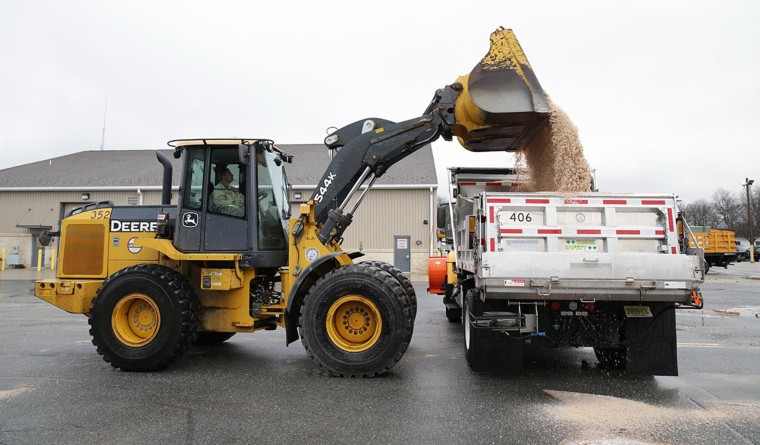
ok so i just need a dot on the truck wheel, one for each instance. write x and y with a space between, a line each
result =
212 338
479 344
403 280
611 358
454 314
453 310
356 321
144 317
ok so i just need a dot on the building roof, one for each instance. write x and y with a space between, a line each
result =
140 169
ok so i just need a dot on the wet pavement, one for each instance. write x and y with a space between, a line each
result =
55 388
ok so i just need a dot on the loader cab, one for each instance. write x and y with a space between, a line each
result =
233 199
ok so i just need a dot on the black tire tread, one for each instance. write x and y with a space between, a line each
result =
185 296
386 279
405 282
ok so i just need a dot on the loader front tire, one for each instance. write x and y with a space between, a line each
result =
403 280
144 318
356 321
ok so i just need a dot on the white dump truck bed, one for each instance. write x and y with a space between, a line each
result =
600 246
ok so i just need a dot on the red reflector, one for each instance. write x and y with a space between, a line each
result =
589 306
555 305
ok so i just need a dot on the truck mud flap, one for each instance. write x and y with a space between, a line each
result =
499 353
651 347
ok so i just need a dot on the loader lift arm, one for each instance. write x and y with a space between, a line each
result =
367 149
498 106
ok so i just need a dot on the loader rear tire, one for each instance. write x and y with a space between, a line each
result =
356 321
144 318
212 338
403 280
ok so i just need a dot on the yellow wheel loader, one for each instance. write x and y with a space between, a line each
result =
228 257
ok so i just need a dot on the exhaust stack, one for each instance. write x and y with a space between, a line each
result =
166 187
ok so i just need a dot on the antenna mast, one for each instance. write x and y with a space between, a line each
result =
103 138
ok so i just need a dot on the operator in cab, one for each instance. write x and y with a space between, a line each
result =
227 199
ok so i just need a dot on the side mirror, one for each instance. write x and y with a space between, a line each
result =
441 217
244 154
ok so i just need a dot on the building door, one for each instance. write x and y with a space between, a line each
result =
36 248
402 252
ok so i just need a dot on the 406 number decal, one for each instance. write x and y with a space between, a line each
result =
520 217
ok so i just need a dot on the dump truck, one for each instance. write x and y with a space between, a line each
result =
228 257
719 246
586 269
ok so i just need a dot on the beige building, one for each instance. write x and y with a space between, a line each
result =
35 197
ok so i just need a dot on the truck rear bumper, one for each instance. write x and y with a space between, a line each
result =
625 276
601 290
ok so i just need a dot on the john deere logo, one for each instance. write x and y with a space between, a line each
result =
190 219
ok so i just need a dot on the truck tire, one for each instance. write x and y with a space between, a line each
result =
453 313
356 321
480 345
403 280
144 317
611 358
212 338
453 310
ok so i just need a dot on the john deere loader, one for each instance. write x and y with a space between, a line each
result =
228 258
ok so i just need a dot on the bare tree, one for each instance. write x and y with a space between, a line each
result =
728 208
701 213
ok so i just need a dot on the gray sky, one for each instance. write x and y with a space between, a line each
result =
665 94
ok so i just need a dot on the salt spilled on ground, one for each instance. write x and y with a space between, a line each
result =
600 419
554 157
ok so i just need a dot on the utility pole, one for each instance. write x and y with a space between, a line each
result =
748 182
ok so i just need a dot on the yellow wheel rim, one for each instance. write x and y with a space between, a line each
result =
135 320
354 323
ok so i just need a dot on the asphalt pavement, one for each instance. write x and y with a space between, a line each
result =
54 387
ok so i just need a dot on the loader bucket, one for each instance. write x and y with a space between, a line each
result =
501 104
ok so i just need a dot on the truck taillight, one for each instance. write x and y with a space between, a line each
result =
555 306
589 306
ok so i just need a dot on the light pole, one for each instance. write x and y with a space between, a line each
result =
748 182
